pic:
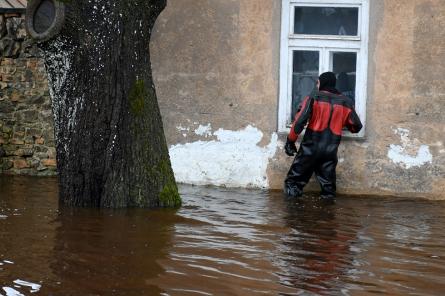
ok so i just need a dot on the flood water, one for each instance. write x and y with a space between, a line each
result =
221 242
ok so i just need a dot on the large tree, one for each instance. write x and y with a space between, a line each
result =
111 148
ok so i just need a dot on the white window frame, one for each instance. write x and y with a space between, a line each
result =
325 44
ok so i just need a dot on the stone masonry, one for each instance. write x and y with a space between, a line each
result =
26 122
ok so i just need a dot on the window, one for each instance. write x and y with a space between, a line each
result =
319 36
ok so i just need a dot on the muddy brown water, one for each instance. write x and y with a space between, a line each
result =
221 242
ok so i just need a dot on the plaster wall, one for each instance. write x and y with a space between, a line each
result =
215 65
403 152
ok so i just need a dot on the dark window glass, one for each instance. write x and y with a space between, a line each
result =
304 76
344 65
326 20
44 16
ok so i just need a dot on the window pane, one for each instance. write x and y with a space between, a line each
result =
326 20
304 76
344 65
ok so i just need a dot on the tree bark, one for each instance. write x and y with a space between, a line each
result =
111 148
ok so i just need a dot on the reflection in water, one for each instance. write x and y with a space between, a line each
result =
225 247
27 232
316 253
113 251
221 242
78 251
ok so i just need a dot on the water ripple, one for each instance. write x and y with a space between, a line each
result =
221 242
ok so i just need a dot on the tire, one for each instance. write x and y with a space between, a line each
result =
57 23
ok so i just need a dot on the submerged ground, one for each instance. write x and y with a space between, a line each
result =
221 242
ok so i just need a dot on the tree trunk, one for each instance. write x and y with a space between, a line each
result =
111 148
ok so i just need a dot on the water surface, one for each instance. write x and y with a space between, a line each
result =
221 242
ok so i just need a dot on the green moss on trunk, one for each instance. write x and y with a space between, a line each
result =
140 99
169 196
137 97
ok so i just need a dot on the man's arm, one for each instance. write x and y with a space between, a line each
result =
301 118
353 124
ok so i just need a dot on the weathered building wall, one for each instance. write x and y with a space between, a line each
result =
215 65
404 151
26 124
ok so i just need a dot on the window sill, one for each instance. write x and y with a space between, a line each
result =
345 136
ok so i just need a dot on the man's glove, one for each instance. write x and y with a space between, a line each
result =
290 148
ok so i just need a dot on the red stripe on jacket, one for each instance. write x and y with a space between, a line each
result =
320 111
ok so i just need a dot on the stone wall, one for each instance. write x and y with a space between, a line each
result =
26 123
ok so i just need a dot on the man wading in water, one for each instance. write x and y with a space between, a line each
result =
327 111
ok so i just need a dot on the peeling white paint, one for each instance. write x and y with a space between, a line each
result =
411 153
182 128
233 160
204 130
